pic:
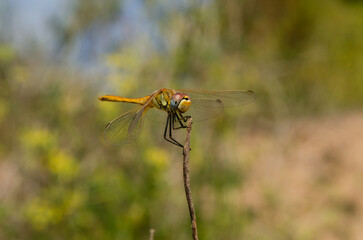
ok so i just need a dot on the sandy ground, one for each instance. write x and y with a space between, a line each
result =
309 178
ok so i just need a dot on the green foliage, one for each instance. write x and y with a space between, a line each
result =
300 57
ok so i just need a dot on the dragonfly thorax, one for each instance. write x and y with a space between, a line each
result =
180 101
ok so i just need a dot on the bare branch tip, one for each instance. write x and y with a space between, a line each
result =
152 231
186 177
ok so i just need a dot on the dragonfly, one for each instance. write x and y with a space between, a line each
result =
179 106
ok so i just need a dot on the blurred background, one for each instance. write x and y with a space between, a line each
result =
287 166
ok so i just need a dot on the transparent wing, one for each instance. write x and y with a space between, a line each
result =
157 115
230 98
126 128
203 109
208 104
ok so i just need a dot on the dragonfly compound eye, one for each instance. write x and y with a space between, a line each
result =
175 100
174 103
184 104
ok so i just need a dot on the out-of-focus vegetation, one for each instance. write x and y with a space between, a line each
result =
257 172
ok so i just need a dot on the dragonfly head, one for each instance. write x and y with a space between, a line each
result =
180 101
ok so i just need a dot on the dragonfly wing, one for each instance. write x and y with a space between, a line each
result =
203 109
157 115
229 98
208 104
126 128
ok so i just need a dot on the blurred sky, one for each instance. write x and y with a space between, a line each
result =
26 24
23 20
30 22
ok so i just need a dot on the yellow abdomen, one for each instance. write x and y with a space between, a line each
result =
111 98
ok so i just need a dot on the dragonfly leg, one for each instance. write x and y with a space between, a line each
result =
179 119
166 127
169 125
175 118
185 118
172 119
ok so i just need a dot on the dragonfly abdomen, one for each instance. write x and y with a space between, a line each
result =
111 98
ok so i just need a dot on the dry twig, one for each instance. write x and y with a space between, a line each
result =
188 192
152 231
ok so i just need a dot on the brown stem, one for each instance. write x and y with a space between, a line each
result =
152 231
188 192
